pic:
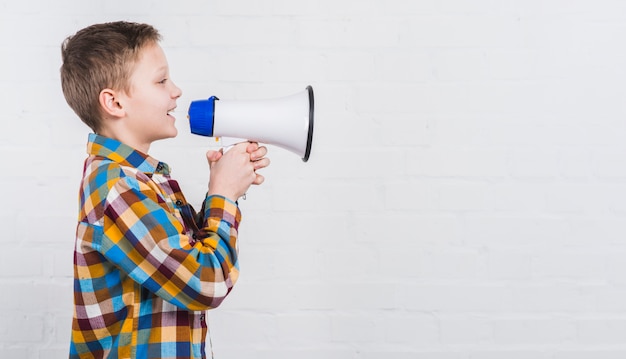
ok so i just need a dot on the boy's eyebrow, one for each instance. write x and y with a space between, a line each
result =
163 68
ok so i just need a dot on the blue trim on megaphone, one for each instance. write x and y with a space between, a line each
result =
202 116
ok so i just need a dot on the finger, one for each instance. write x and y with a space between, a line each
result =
251 147
258 180
259 153
213 156
262 163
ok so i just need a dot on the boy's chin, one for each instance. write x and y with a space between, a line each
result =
167 136
172 133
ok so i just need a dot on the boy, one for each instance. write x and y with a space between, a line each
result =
146 265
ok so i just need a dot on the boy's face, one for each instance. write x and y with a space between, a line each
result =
152 97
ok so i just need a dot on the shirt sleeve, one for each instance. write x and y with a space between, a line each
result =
146 241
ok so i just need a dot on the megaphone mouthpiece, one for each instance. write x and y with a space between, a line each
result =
201 116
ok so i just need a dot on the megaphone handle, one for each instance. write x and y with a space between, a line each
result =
230 141
226 143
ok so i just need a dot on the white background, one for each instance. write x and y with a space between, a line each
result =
465 197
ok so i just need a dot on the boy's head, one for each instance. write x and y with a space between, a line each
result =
99 57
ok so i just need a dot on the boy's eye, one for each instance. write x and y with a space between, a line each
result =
163 81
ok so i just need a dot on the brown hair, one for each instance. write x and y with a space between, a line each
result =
98 57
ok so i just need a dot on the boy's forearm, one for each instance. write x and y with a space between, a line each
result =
195 274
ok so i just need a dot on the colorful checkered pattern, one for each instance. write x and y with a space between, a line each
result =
146 265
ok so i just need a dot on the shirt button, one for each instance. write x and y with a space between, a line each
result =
179 202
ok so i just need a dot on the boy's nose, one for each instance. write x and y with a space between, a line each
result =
176 92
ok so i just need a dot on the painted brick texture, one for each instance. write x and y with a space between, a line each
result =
465 197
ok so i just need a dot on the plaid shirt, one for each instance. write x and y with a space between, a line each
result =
146 266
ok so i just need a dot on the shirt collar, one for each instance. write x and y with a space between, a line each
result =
125 155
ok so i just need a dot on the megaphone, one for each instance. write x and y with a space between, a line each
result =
286 122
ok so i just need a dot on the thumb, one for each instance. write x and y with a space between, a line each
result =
213 156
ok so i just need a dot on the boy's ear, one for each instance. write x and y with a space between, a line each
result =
110 105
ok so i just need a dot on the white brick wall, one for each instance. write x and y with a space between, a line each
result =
465 198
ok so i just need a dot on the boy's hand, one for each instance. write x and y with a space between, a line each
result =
233 172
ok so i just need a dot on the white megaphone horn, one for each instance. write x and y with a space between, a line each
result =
286 122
